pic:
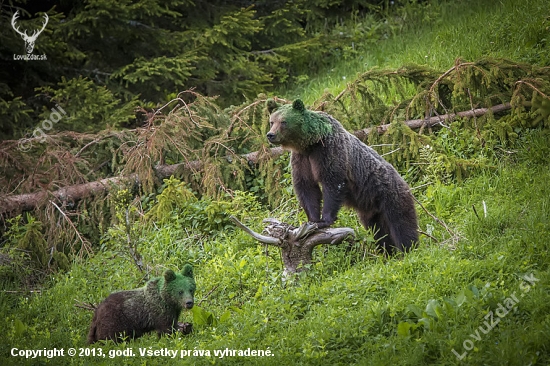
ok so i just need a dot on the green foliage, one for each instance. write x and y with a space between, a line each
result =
16 116
177 205
220 151
150 50
340 311
174 195
458 145
25 253
203 318
88 107
426 31
476 174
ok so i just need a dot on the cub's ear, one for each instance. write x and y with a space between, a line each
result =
153 283
298 105
272 105
187 271
169 275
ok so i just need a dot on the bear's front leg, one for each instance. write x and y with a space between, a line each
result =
333 198
306 188
310 200
166 327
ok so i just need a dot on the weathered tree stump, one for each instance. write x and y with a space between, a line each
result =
297 243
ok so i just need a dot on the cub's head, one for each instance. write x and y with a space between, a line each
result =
294 127
178 289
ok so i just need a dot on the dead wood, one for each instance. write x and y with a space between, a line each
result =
297 243
15 204
433 121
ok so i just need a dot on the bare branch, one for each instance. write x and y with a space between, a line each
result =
438 220
85 244
297 243
14 204
432 121
261 238
85 305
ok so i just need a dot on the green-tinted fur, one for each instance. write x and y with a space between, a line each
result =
310 126
332 168
171 281
153 307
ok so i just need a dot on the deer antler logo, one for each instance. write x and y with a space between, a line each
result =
29 40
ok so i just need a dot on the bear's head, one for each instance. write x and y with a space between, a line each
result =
294 127
178 289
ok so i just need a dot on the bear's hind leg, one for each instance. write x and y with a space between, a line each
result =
380 229
405 236
402 232
92 338
383 237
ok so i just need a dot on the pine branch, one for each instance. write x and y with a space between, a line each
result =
14 204
85 244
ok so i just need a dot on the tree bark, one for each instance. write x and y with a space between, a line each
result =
433 121
15 204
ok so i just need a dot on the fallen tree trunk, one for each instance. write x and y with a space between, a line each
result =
297 243
165 171
433 121
28 201
15 204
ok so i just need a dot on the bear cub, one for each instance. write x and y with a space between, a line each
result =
326 156
153 307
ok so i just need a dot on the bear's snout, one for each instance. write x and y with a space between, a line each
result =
189 304
271 136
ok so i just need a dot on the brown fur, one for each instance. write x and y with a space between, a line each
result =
350 173
154 307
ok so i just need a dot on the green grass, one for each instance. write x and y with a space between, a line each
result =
441 33
351 307
376 311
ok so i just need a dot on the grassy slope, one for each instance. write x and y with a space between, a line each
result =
343 313
462 29
409 312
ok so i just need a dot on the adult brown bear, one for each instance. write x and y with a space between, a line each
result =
324 155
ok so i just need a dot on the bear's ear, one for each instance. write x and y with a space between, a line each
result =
271 105
187 270
298 105
169 275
